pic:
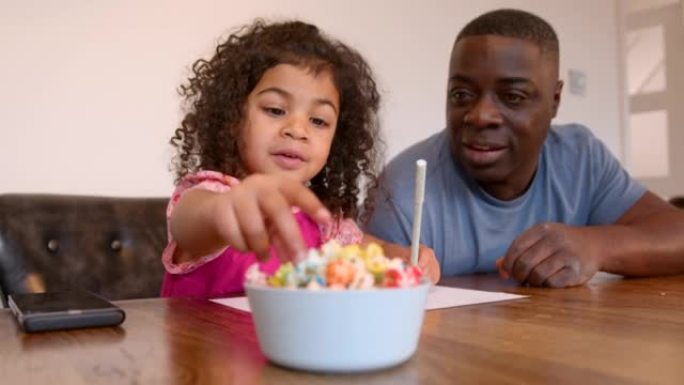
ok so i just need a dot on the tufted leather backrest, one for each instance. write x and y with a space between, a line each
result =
110 246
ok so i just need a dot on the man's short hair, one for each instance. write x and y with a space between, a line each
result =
516 24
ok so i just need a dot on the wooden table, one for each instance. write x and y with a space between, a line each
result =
609 331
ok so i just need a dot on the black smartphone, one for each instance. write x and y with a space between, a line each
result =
37 312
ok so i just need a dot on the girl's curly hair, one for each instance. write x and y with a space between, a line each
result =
216 93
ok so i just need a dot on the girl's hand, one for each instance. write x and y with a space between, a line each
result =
257 213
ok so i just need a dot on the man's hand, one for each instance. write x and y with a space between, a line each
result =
427 261
554 255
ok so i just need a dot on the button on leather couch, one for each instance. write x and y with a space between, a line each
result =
110 246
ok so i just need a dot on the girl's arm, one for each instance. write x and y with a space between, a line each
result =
193 224
249 217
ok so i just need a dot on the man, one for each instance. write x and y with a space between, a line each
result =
551 201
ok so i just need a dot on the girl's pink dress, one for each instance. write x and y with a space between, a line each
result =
223 273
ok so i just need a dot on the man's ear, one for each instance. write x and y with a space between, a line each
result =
557 97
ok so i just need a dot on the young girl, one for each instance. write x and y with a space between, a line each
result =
280 135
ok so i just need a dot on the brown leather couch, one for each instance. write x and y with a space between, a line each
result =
110 246
677 201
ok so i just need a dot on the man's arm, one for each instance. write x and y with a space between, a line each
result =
651 240
386 221
388 227
646 241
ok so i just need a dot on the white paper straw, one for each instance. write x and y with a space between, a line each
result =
419 196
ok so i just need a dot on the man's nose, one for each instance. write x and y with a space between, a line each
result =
483 114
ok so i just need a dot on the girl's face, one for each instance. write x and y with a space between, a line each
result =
290 122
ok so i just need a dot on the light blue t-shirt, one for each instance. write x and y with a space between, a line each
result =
578 182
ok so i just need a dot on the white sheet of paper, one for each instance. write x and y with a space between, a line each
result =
239 303
439 297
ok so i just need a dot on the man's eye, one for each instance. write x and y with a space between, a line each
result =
460 96
513 98
275 111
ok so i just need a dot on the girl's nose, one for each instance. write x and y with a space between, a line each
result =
296 128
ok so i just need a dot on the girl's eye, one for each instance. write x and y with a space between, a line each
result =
275 111
319 122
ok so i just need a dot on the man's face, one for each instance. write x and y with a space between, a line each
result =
502 94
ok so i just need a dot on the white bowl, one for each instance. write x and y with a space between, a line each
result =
338 331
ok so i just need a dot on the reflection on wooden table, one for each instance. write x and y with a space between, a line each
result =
609 331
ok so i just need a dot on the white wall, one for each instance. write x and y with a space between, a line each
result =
88 98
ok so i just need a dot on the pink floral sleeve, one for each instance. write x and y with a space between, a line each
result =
207 180
343 230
